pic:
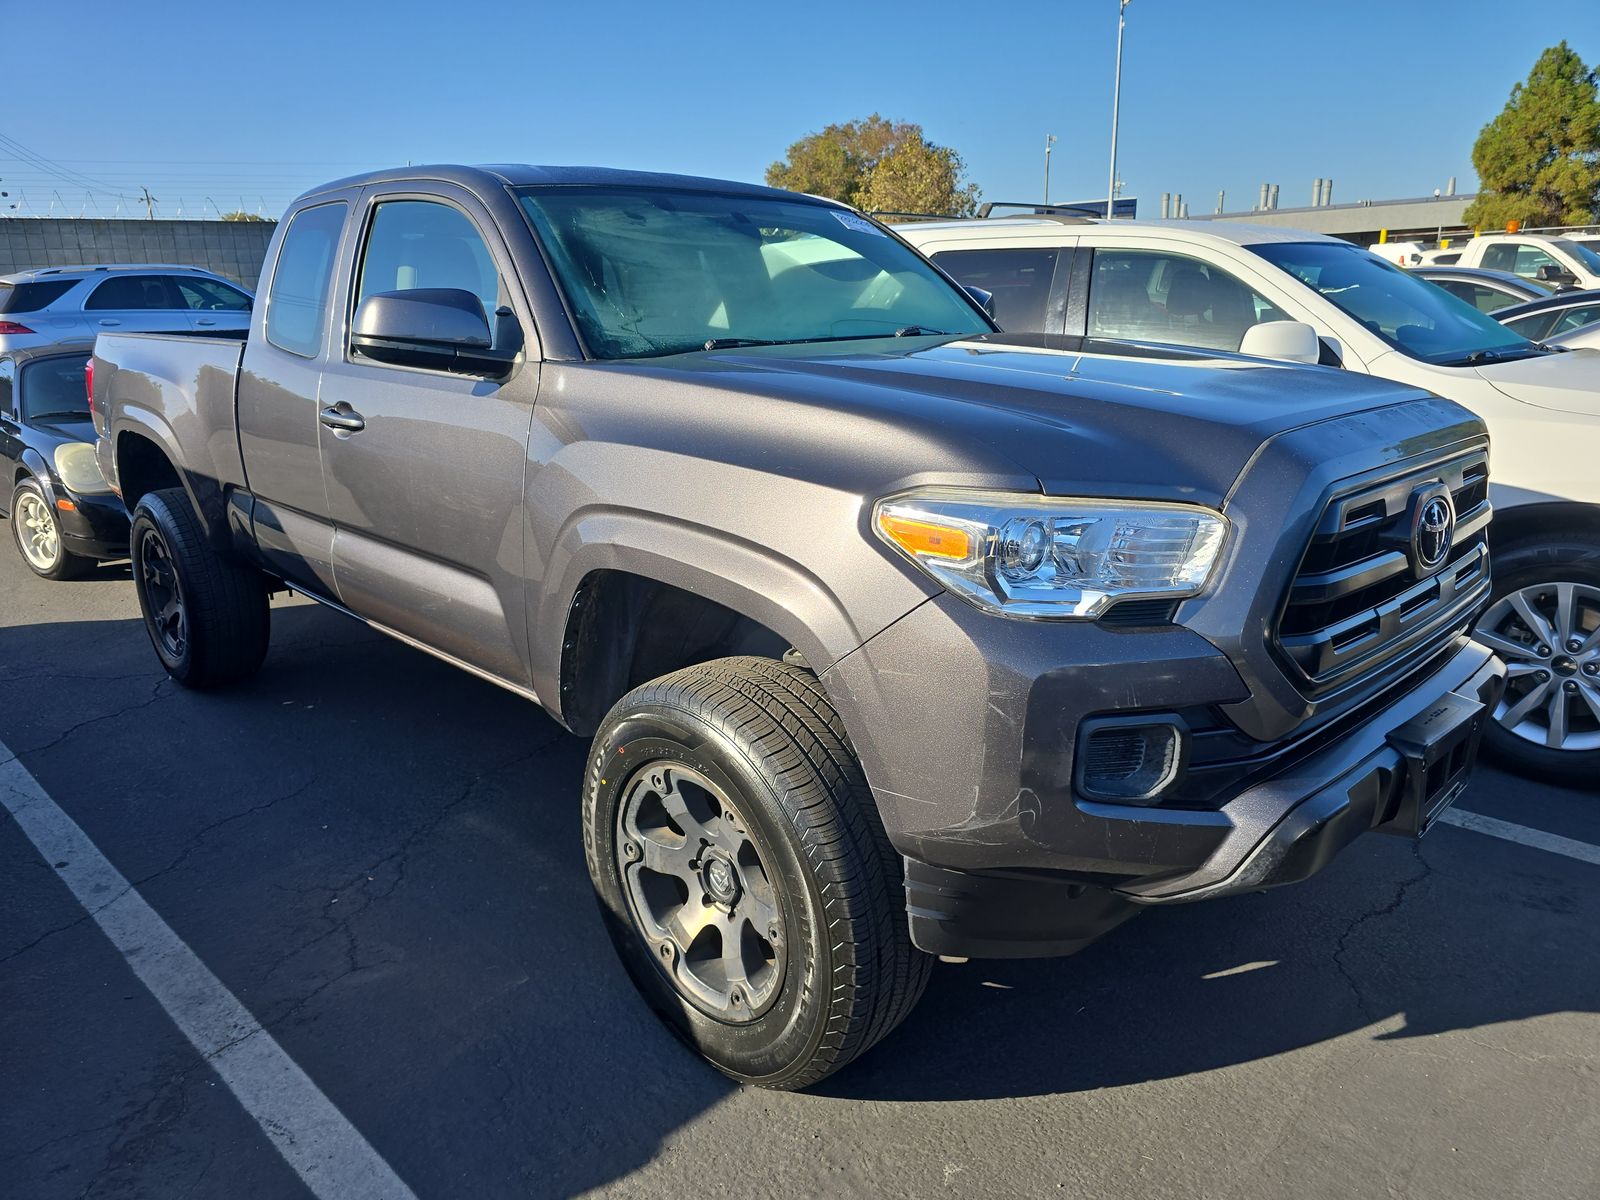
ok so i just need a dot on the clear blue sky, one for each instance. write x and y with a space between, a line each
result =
258 101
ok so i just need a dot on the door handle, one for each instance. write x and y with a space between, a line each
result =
341 419
204 321
109 321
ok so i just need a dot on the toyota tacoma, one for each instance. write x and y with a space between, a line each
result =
896 637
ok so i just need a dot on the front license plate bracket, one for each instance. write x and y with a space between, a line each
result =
1437 748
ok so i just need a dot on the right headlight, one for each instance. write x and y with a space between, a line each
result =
1039 556
76 465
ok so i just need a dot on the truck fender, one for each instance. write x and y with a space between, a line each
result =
749 579
204 494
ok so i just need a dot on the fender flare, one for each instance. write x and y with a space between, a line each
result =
205 495
751 580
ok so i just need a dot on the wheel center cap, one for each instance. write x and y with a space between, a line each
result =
1564 665
722 881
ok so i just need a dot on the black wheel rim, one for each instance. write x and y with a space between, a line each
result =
699 893
163 597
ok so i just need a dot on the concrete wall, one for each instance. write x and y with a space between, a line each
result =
234 249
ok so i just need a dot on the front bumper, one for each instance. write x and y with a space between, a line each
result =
1004 859
92 526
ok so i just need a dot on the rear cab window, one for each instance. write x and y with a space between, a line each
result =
297 301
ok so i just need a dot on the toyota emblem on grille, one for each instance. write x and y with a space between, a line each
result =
1433 531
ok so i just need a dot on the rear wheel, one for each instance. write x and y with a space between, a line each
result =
745 878
207 616
1544 621
38 535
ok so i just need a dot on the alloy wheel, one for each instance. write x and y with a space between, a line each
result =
163 596
37 533
1549 636
699 892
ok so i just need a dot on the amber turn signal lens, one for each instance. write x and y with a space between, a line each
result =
926 538
66 505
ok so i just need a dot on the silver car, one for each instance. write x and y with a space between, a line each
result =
59 304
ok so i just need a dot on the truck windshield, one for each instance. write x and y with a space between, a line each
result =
53 388
1589 259
1416 317
651 272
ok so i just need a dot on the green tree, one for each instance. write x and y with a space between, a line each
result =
239 214
878 164
1539 161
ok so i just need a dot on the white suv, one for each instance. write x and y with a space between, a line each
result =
1222 286
63 304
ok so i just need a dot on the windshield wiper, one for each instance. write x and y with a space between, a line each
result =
1506 354
919 331
730 342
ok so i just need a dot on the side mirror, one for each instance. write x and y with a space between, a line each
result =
985 299
1550 273
1292 341
441 328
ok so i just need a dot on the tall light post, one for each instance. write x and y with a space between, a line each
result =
1116 100
1049 140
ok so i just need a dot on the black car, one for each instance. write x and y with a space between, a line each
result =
1486 291
1550 315
64 516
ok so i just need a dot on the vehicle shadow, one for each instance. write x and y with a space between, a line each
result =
381 855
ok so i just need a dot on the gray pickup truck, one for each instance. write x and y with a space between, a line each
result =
896 637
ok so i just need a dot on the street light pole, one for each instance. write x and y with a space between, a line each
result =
1116 100
1049 140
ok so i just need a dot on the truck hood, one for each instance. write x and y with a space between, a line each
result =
1566 382
1138 423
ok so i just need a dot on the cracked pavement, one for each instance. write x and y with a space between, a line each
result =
379 856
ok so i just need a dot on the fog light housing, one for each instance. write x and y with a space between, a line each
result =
1130 760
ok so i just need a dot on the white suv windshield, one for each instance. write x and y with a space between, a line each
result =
650 272
1409 313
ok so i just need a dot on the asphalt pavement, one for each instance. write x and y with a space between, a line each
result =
379 857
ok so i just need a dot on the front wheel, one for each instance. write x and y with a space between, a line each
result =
743 872
38 535
207 616
1544 621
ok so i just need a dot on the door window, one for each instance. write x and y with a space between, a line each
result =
426 244
1520 258
8 376
297 304
1577 318
1154 296
1482 297
125 292
1020 281
208 295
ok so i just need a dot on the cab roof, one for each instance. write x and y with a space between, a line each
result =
499 175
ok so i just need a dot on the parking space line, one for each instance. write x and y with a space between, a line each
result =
1537 838
302 1124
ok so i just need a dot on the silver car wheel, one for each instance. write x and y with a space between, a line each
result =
37 535
1549 636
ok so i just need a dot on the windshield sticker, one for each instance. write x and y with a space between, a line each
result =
859 224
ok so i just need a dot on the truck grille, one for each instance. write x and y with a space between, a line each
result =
1362 599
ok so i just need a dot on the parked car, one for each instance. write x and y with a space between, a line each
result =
60 304
1558 261
1486 291
1232 287
63 514
1585 337
895 637
1548 316
1441 256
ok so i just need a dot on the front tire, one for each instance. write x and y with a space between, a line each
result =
207 616
743 872
37 534
1544 621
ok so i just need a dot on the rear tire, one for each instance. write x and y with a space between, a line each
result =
802 958
37 535
1544 621
207 616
